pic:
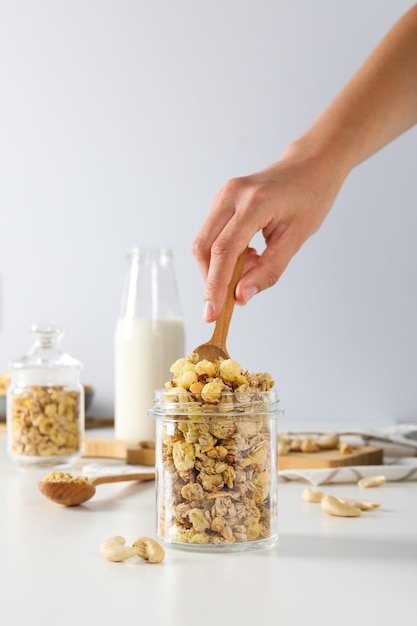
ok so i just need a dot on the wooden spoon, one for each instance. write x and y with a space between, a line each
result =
216 346
72 492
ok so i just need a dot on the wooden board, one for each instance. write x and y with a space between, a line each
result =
98 422
114 449
104 448
361 455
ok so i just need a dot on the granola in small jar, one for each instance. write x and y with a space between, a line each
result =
216 457
45 402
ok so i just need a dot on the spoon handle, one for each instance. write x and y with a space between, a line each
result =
118 478
221 327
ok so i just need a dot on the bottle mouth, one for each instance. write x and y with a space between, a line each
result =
163 255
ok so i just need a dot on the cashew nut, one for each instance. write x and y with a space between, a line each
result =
328 442
334 506
115 549
149 549
312 496
295 444
363 505
371 481
309 445
345 448
283 448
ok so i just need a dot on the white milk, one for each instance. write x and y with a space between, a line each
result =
145 349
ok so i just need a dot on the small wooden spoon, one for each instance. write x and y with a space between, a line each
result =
216 346
72 492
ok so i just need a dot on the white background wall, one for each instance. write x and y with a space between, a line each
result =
119 121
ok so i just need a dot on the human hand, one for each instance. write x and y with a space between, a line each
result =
287 202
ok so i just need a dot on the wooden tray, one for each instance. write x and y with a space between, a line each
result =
361 455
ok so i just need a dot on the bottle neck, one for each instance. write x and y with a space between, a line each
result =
150 289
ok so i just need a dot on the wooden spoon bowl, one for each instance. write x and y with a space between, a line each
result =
75 492
216 346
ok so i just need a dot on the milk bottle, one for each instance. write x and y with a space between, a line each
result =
149 337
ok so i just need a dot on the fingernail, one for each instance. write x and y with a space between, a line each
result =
249 292
208 311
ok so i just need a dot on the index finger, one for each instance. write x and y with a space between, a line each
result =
224 254
221 211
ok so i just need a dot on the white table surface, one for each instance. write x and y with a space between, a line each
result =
323 570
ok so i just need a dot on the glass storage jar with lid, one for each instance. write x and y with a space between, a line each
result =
45 402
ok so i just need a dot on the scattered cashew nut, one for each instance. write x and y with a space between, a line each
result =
312 496
149 549
329 442
363 505
371 481
309 445
295 444
334 506
283 448
345 448
115 549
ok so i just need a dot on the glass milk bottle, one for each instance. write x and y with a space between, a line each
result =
149 338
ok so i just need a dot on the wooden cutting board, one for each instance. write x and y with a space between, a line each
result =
361 455
114 449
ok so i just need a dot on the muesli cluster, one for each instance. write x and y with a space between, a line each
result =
45 422
65 477
218 454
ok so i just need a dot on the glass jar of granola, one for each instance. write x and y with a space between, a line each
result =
45 402
216 459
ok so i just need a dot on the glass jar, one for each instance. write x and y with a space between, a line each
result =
149 337
216 470
45 402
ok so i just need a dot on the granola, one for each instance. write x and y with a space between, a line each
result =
45 421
